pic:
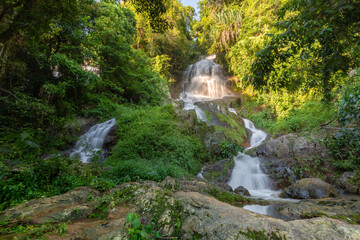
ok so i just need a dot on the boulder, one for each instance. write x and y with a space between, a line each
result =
344 207
281 171
291 145
180 209
290 157
309 188
222 186
242 191
348 183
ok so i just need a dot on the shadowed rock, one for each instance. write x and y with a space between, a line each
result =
309 188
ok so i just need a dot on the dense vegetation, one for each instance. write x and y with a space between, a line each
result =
86 59
296 62
60 62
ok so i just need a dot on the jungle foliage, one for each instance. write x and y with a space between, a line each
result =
296 60
174 43
65 60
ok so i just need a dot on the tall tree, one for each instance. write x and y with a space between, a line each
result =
325 32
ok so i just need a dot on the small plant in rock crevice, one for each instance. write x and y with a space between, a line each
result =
138 231
229 149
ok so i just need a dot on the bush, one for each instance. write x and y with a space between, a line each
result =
349 106
47 177
305 118
344 147
151 145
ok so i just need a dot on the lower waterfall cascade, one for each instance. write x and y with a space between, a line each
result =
92 141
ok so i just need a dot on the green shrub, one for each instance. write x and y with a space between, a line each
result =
137 231
229 149
151 145
349 106
47 177
305 118
344 147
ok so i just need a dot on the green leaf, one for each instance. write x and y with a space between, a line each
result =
136 223
129 218
144 234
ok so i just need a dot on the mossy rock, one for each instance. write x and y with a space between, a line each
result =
309 188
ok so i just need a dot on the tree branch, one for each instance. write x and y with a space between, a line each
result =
6 10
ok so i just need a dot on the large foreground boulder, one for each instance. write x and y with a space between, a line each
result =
309 188
181 209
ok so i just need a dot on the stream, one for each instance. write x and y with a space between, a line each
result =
205 81
92 141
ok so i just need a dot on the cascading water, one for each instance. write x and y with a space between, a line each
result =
92 141
247 171
204 80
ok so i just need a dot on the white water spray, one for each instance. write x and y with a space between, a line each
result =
92 141
204 81
247 171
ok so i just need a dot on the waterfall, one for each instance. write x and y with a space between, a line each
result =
92 141
247 171
203 81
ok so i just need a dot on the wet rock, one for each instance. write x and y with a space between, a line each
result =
309 188
344 207
218 106
242 191
213 142
235 103
110 140
347 181
285 158
181 213
219 171
280 170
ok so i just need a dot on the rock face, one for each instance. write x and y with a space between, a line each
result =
213 141
309 188
348 183
343 207
219 171
285 157
180 209
110 140
289 146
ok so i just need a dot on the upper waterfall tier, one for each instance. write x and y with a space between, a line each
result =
205 79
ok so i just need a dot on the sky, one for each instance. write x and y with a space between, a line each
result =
192 3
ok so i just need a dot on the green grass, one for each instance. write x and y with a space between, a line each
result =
308 117
151 145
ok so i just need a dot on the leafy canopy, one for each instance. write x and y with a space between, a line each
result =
324 31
